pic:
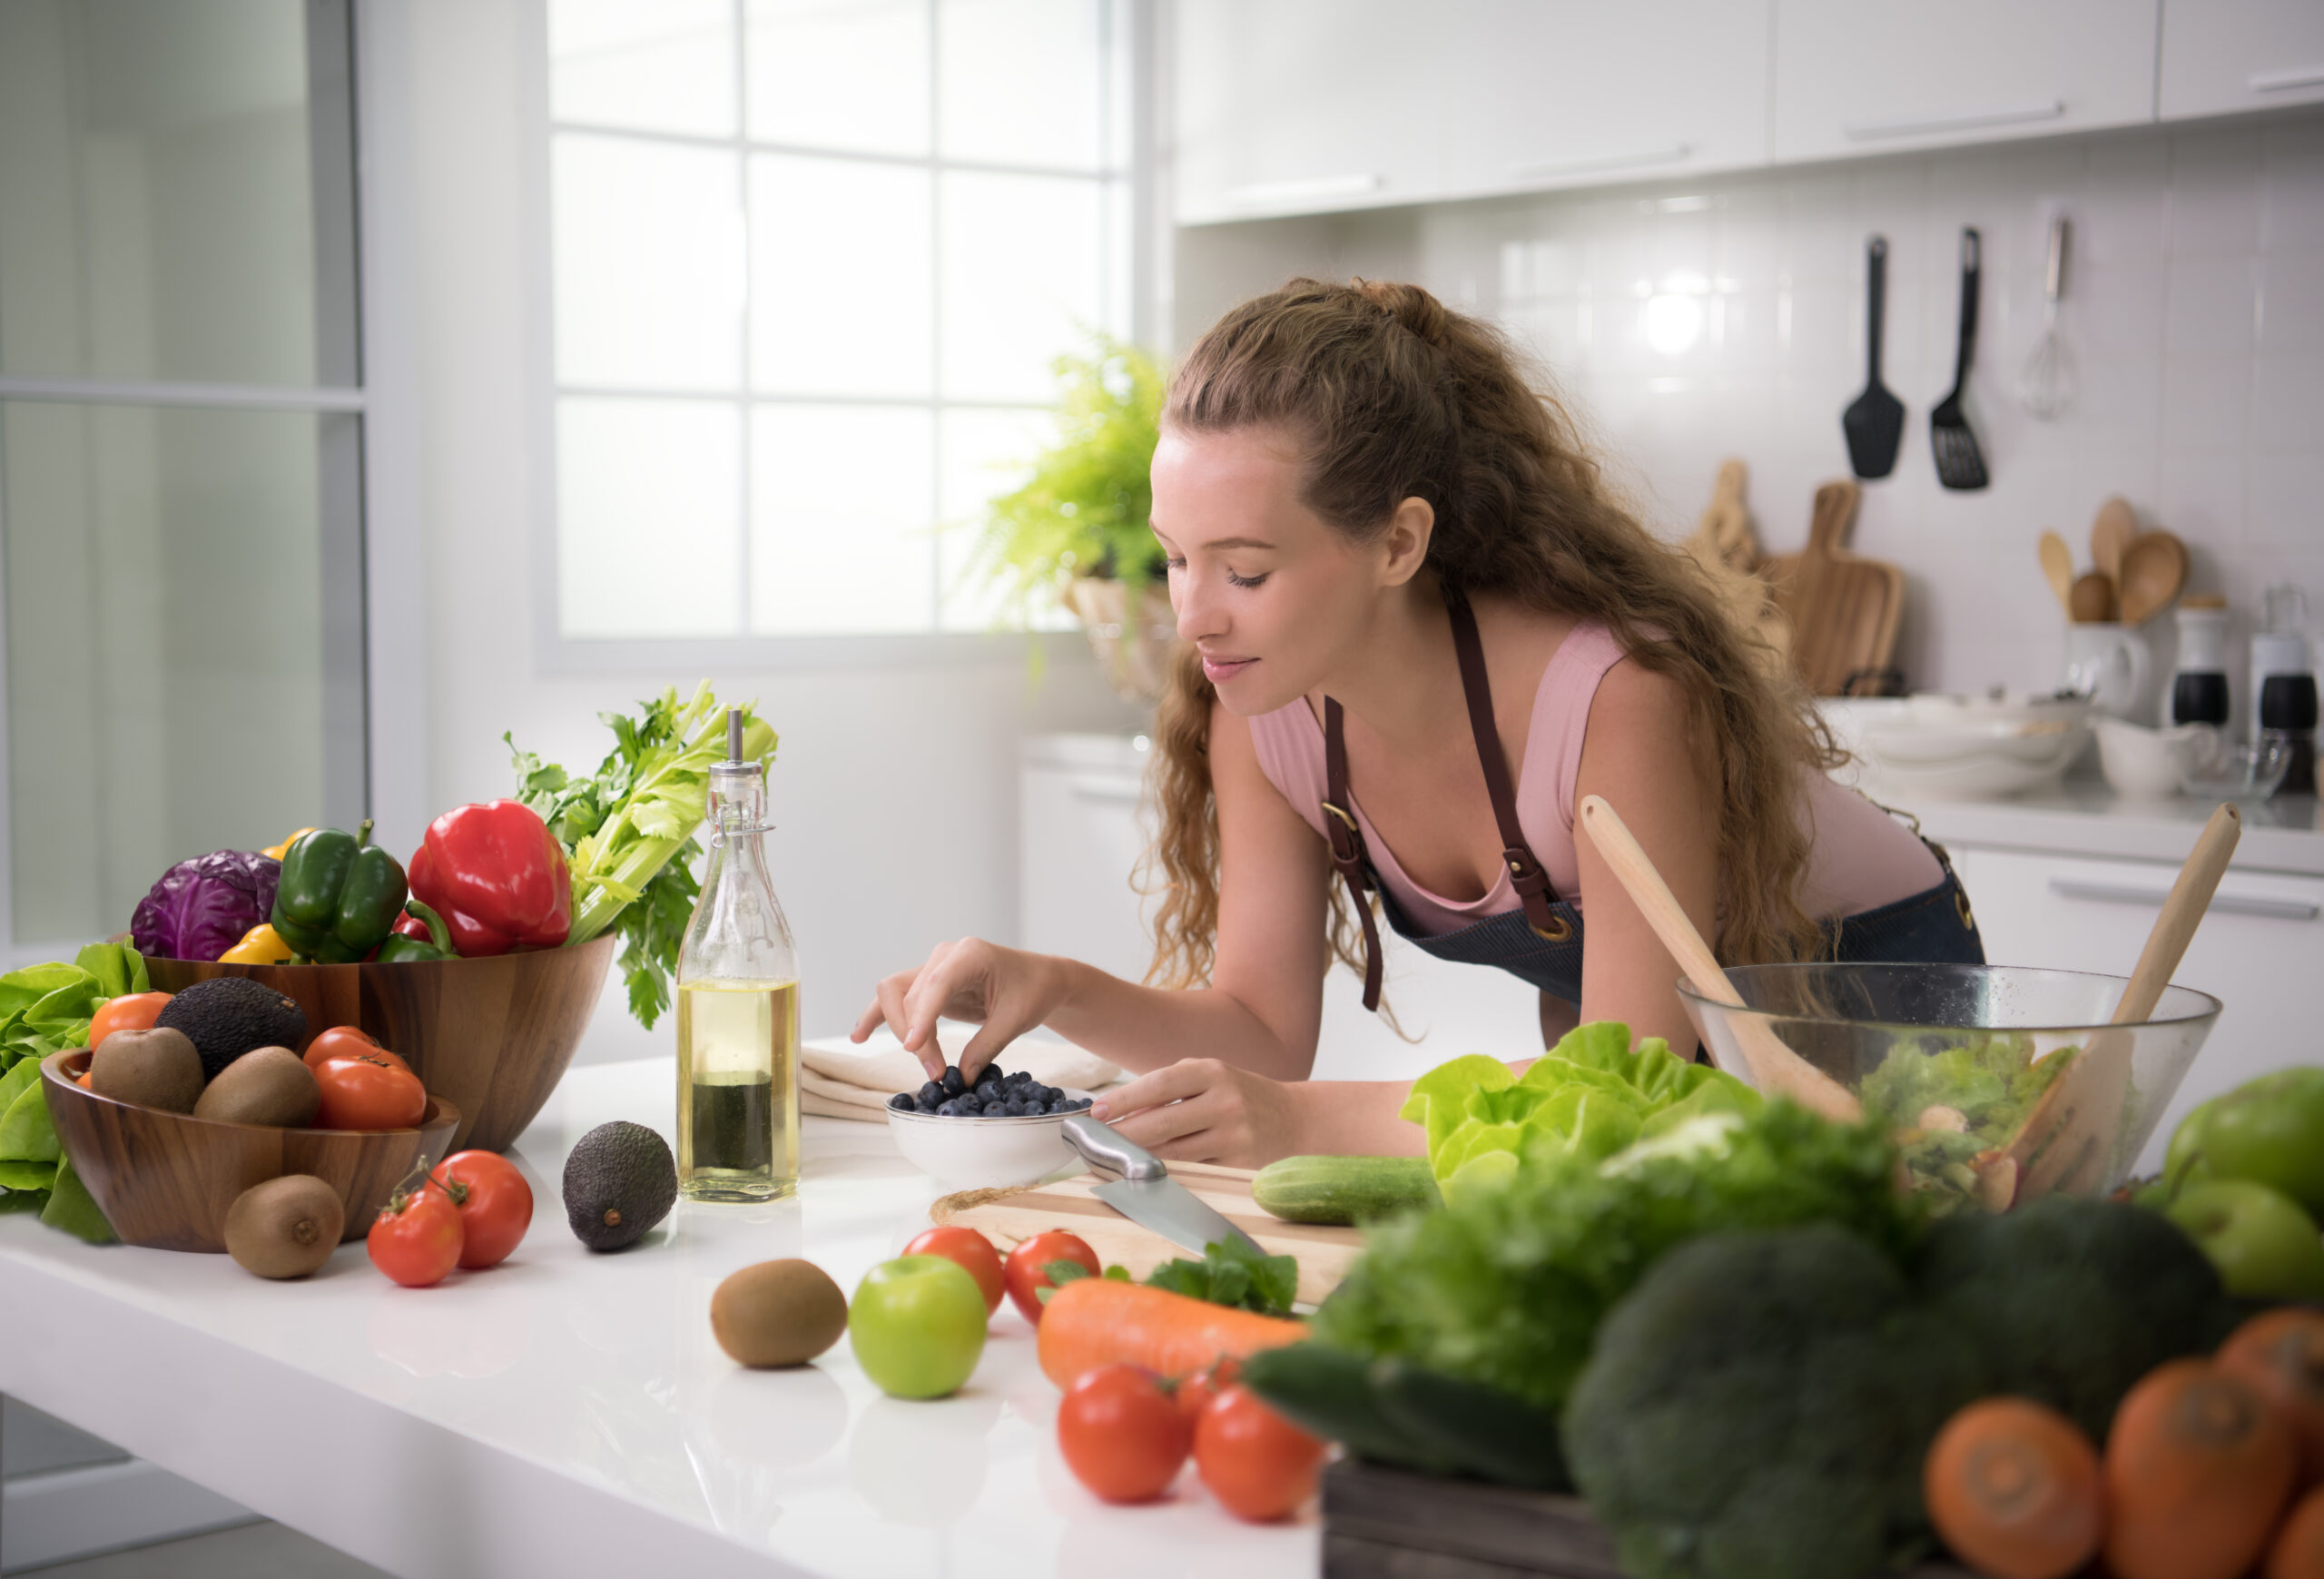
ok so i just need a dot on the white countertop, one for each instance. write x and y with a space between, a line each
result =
2083 817
569 1412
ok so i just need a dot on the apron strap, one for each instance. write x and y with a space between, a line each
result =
1526 874
1348 846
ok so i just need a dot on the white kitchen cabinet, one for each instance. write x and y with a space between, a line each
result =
1873 76
2259 952
2222 57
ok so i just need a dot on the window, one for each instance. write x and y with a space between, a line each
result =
811 259
181 444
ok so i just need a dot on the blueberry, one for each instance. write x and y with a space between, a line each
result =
952 1083
1018 1078
1023 1108
1080 1103
988 1090
1041 1093
902 1101
949 1109
969 1107
931 1093
1060 1106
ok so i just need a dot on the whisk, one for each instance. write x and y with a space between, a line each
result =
2048 382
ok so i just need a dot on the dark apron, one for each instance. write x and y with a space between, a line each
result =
1540 941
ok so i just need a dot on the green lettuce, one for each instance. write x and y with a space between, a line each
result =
1950 1104
46 1008
1588 1097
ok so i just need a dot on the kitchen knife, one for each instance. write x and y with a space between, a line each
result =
1142 1189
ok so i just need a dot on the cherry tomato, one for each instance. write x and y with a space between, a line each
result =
1196 1391
1122 1434
1254 1460
337 1039
495 1204
130 1012
1026 1277
83 1081
975 1254
416 1239
366 1092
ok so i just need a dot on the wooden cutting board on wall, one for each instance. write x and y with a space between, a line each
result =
1008 1217
1844 608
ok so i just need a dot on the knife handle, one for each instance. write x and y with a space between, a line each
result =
1109 1150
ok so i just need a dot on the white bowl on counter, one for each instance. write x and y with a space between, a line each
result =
1938 747
2147 764
984 1153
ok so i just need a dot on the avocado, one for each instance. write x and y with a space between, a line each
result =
227 1016
619 1182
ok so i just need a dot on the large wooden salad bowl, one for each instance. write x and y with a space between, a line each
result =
165 1180
492 1037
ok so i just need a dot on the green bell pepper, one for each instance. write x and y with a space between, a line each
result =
403 948
339 896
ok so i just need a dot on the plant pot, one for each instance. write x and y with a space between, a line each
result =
1134 651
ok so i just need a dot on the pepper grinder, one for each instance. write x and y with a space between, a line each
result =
2199 684
2283 673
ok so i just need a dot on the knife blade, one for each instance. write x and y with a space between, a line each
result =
1144 1191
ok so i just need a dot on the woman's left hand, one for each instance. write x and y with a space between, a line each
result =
1200 1109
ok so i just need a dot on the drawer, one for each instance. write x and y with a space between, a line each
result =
2258 950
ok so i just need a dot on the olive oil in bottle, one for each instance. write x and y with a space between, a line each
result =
738 1007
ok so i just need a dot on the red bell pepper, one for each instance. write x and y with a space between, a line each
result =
497 875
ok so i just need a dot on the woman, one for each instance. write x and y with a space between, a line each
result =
1416 630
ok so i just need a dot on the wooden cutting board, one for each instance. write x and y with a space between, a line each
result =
1007 1217
1844 608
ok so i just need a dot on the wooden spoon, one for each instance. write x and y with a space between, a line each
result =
2091 599
2111 535
2067 1142
2057 564
1774 1069
2153 571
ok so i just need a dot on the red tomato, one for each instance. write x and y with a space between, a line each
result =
495 1204
975 1255
365 1091
351 1040
1025 1276
1254 1460
1196 1391
416 1239
130 1012
1122 1434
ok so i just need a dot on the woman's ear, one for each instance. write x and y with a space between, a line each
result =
1405 542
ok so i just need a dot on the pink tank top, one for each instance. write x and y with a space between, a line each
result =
1863 857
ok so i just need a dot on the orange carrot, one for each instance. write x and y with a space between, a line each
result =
1095 1321
2013 1488
2198 1467
2280 1352
2299 1550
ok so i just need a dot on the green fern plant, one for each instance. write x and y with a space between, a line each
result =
1084 511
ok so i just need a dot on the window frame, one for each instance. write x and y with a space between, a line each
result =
557 654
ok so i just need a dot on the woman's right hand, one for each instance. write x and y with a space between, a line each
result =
1006 991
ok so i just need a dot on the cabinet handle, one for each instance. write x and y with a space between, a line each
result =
1108 791
2277 82
1873 131
2222 903
1553 169
1306 187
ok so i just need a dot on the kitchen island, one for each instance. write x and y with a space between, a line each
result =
569 1412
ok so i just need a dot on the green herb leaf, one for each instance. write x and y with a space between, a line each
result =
1232 1274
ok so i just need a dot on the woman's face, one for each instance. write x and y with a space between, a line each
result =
1274 596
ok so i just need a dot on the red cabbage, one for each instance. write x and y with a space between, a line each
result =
201 907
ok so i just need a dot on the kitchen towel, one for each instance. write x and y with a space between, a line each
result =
839 1080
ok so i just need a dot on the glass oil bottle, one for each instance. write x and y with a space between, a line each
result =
738 1006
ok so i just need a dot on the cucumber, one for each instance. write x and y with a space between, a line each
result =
1328 1392
1344 1189
1483 1431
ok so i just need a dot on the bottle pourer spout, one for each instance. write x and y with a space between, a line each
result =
734 734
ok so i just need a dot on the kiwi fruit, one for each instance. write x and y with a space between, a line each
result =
227 1016
155 1069
267 1085
285 1227
778 1312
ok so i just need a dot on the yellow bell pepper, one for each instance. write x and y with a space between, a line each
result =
261 945
278 851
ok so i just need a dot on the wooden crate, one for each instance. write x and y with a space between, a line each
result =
1390 1524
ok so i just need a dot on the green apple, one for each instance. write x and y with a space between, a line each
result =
2269 1131
2264 1245
917 1326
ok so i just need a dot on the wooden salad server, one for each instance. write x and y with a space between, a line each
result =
1774 1069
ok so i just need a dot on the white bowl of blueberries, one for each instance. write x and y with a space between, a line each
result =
1004 1130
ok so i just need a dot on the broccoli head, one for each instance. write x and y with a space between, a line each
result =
2071 1302
1757 1408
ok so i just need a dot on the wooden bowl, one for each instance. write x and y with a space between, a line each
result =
492 1037
165 1180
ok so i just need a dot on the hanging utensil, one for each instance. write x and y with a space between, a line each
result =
1958 463
1875 422
2047 383
2057 565
2153 570
2111 535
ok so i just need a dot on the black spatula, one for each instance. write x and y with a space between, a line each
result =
1875 422
1959 465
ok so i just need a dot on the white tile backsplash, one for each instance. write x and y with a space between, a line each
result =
1685 323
